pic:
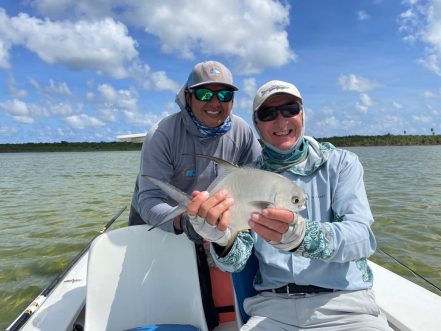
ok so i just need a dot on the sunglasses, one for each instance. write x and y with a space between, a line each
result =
270 113
205 94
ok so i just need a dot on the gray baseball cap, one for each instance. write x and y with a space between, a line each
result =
210 72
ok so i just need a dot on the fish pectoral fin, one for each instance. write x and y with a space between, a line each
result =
261 204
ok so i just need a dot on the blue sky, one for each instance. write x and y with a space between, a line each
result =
80 70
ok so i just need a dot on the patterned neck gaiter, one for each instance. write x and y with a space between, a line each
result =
211 132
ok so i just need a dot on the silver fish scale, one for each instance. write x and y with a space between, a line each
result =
252 191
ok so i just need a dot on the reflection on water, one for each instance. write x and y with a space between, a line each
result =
52 204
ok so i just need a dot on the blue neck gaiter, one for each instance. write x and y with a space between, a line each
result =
207 131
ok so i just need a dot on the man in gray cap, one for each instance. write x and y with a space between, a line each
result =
205 126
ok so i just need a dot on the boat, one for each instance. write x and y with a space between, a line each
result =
134 279
132 138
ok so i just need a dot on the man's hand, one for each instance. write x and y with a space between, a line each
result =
210 215
281 228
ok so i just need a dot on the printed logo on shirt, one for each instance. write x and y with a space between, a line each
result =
190 173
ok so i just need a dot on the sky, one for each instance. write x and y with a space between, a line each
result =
81 70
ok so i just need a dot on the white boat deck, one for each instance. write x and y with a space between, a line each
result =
64 305
407 306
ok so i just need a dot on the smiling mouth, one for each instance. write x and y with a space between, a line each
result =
213 113
282 133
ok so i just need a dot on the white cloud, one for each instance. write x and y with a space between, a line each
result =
152 80
83 121
61 88
432 63
428 94
328 111
362 15
253 27
244 99
249 87
20 111
144 120
364 103
422 22
123 99
356 83
77 8
7 130
101 45
330 122
244 30
397 105
422 119
4 53
14 90
62 109
52 89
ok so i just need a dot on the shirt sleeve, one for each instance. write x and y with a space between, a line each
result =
348 235
238 255
155 161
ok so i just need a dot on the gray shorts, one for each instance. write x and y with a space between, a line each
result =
340 310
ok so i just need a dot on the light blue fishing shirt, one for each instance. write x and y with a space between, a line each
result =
338 237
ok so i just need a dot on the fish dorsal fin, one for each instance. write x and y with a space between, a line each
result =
227 167
222 162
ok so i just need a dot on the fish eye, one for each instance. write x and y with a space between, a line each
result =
295 200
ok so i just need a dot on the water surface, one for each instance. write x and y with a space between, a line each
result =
52 204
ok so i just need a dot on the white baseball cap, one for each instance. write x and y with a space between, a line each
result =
271 88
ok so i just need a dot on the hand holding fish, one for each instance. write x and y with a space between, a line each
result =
281 228
250 195
210 215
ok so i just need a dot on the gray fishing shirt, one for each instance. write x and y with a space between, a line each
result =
167 154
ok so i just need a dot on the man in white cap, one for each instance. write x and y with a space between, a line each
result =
313 272
205 126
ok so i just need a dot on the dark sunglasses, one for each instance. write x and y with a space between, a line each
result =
205 94
270 113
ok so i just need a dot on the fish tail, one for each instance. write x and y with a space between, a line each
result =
173 192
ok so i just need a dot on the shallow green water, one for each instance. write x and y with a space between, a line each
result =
52 204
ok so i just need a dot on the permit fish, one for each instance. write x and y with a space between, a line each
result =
252 190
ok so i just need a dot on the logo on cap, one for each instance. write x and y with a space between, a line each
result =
272 88
215 71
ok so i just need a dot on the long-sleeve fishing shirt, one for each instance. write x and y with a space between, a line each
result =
338 236
167 154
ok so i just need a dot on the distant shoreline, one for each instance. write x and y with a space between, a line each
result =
345 141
